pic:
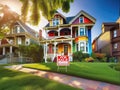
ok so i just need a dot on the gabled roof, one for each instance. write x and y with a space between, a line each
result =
59 14
26 28
68 19
118 21
85 14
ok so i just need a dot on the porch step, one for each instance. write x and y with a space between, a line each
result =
2 57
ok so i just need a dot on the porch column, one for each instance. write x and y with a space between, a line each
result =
59 32
78 30
46 52
10 49
3 50
70 56
71 31
85 46
78 46
55 43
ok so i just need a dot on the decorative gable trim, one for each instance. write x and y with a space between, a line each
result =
85 14
57 13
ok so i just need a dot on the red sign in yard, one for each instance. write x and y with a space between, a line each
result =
63 60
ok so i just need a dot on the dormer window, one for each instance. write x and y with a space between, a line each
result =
55 22
81 20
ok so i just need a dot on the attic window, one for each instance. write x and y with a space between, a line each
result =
18 29
55 22
81 20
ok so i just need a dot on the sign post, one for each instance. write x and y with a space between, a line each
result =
63 61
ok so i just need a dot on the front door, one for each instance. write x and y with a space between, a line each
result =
65 49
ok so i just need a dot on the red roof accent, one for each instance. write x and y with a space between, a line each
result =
87 20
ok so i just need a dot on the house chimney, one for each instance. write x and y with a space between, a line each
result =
40 34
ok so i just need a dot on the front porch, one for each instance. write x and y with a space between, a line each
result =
7 49
52 50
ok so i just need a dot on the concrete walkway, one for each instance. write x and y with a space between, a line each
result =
76 82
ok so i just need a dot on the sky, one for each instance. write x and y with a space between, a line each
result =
101 10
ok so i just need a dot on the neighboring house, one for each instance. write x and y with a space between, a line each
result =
66 35
109 41
20 34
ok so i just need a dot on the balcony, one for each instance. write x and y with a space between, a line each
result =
55 37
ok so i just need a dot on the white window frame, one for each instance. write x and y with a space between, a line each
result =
19 41
80 29
115 33
18 29
55 21
115 45
80 19
83 46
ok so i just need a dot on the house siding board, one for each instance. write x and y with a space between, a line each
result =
86 20
89 41
76 21
103 40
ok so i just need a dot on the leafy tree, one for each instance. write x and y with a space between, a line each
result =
7 19
47 8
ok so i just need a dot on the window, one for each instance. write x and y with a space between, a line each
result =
55 22
82 46
81 19
115 33
27 41
82 32
18 29
115 46
19 41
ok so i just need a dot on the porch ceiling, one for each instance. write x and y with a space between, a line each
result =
8 45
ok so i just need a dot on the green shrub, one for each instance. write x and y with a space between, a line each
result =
117 66
33 51
112 59
79 56
49 60
90 59
99 56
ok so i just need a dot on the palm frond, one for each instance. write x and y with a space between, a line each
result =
24 9
35 15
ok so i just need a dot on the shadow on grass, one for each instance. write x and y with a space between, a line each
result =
14 80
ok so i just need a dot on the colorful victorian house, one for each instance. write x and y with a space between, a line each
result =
20 34
66 35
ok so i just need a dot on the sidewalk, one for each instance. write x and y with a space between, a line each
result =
85 84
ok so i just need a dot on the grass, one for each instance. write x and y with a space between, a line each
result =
15 80
95 71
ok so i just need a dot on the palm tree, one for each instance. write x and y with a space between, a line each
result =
46 7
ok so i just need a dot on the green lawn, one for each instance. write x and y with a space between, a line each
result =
95 71
14 80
